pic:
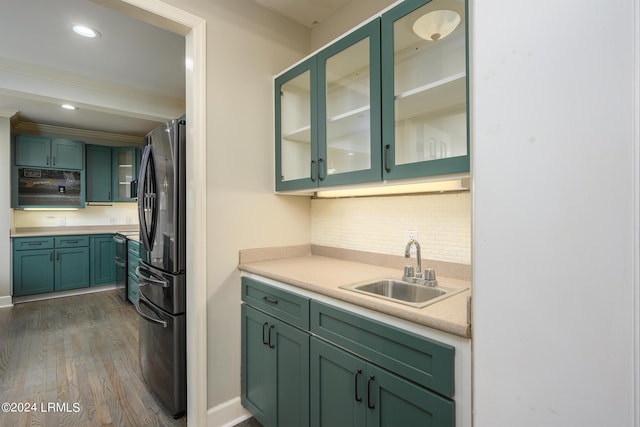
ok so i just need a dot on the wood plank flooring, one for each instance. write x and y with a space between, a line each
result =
76 360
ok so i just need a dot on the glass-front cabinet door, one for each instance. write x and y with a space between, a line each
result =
424 89
349 107
328 115
296 128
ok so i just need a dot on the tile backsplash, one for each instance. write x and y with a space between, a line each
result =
380 224
116 214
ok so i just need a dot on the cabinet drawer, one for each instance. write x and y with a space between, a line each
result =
133 262
419 359
284 305
133 248
26 243
71 241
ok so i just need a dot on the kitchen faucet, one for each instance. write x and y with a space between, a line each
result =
429 278
407 254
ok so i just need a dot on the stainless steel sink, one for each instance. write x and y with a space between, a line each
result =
404 292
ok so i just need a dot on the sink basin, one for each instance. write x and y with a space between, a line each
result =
404 292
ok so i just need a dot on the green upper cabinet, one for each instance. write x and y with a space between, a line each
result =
327 115
67 154
296 127
125 165
39 151
424 89
98 173
387 101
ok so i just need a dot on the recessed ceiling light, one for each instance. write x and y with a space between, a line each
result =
68 107
84 31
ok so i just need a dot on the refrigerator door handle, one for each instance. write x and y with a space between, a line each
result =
147 200
147 317
146 278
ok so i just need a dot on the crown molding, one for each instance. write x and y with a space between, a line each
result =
88 136
4 112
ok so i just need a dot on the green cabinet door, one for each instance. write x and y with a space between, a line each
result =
33 271
124 170
394 401
102 268
348 391
66 154
33 151
338 387
99 173
275 370
257 366
72 268
296 127
424 94
349 109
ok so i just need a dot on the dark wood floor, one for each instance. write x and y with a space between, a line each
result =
251 422
80 353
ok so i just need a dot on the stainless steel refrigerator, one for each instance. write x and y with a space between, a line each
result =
161 273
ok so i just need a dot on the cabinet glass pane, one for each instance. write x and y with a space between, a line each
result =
126 161
429 87
347 107
296 127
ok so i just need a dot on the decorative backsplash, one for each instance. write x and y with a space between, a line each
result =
117 214
380 224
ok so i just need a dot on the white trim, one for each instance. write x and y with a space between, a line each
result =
63 294
636 215
7 113
196 112
5 302
227 414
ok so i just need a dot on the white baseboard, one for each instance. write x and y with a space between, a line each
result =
6 302
227 414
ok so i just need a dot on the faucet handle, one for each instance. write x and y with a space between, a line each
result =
408 271
430 277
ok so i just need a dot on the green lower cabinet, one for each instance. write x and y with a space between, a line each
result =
60 263
32 271
133 289
348 391
72 268
337 387
102 267
275 370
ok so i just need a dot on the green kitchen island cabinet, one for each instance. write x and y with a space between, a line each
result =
275 355
102 267
42 151
47 264
347 391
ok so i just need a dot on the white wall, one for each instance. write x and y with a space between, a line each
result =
246 46
380 224
116 214
5 203
553 225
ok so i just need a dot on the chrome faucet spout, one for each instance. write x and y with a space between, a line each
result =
407 254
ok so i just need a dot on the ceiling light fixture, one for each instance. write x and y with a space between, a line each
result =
437 25
68 107
84 31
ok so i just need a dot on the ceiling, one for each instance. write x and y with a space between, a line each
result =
305 12
126 82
